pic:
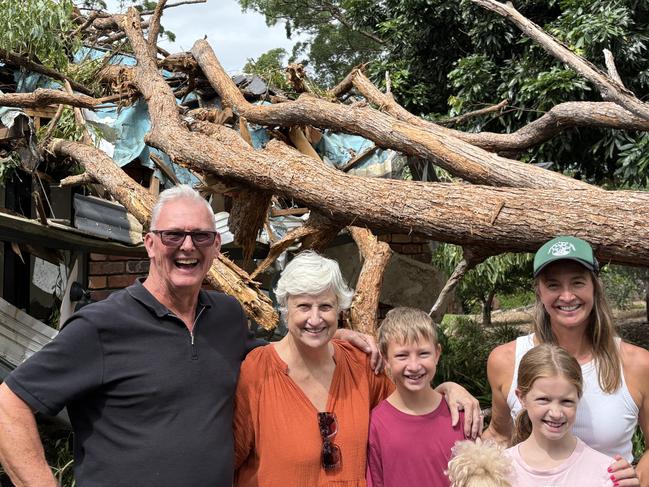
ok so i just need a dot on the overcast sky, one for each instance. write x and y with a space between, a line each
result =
234 36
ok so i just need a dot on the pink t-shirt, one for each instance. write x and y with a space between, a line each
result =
410 450
584 467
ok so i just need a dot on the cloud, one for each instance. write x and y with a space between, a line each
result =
235 36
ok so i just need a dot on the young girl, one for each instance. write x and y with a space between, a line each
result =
545 452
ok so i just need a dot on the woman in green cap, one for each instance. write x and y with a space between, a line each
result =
572 312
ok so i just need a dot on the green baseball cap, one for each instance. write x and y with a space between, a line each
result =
565 248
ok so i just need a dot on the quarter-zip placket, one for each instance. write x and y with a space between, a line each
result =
192 335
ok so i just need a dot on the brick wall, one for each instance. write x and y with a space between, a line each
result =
108 273
412 245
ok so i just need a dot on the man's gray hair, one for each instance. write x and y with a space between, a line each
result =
180 192
311 273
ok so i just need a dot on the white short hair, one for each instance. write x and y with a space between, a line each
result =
311 273
179 192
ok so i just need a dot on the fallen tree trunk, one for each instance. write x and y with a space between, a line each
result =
500 219
468 162
223 274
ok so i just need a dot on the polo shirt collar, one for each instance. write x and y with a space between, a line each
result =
142 294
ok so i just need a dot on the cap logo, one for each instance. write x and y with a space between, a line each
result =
561 249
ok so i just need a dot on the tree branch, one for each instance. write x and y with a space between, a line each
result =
14 58
470 163
223 274
315 227
154 27
610 67
558 119
42 97
376 256
609 88
470 259
474 114
615 223
77 180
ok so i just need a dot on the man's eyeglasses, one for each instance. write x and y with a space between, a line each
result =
175 238
331 455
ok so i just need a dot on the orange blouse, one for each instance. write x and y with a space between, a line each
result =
276 434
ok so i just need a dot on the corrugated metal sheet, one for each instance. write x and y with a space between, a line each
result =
20 334
106 219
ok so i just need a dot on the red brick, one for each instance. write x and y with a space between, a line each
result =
98 257
97 282
119 282
401 238
99 295
137 266
416 238
102 268
411 249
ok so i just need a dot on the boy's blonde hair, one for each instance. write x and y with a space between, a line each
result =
479 464
406 325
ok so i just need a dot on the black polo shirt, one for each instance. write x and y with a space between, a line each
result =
150 404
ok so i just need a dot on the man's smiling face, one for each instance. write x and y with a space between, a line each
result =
181 268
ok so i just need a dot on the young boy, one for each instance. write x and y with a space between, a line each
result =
410 437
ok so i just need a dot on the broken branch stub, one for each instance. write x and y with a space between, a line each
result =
376 256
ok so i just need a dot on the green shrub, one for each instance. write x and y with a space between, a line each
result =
638 444
516 300
466 345
622 284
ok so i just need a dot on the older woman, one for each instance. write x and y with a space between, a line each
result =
571 311
302 404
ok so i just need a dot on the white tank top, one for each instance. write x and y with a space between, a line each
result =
605 422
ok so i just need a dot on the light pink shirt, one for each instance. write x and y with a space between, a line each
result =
585 467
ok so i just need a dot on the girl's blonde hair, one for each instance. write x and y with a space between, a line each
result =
479 464
600 331
543 361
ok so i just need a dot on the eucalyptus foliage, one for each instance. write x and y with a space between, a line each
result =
269 66
39 30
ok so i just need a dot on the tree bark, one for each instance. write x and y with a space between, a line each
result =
41 97
471 163
559 118
376 256
470 259
500 219
247 217
487 306
223 274
316 230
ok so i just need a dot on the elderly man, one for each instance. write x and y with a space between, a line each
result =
148 375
